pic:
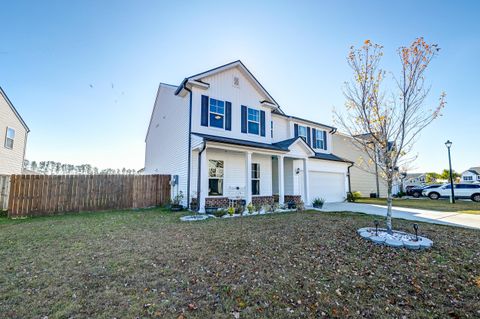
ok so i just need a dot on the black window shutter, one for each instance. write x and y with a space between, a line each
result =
244 119
228 116
262 123
314 138
308 136
295 129
324 140
204 117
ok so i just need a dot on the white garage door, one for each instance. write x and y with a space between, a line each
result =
327 185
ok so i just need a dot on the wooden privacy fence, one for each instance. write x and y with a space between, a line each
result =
4 191
34 195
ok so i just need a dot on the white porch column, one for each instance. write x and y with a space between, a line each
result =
281 180
306 185
248 179
203 181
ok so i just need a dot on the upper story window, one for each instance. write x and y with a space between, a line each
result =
478 177
271 129
9 138
253 121
217 113
468 178
302 132
319 141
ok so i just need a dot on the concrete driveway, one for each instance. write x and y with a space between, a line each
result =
429 216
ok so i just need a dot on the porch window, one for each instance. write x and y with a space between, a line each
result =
302 132
215 178
9 138
217 113
253 121
255 179
319 142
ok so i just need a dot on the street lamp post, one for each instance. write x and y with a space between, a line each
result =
448 144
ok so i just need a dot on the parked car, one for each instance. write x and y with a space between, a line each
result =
417 191
466 191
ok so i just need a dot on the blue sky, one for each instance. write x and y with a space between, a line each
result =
84 74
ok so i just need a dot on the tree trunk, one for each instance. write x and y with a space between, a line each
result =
389 207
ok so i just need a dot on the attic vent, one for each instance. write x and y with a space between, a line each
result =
236 81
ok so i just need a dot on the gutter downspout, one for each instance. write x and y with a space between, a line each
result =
189 144
349 181
200 173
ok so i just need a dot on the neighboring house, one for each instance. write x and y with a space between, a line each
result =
225 137
415 179
13 137
471 176
365 177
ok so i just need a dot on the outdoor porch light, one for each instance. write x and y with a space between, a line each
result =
297 171
376 227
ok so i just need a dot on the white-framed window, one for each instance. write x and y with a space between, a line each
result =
9 138
255 179
215 178
468 178
319 141
302 132
478 177
217 113
253 121
271 129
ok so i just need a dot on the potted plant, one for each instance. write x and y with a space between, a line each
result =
318 202
250 208
176 206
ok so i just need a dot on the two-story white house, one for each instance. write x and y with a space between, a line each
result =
225 137
471 175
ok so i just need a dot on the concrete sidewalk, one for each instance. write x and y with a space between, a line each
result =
429 216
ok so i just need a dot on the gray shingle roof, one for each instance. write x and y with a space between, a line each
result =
279 146
330 157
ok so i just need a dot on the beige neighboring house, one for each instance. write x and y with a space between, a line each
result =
13 137
363 178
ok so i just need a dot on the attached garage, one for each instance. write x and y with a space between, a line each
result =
327 185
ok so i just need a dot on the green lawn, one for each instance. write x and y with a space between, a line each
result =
442 205
148 264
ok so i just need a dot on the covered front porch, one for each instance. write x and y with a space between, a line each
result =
224 173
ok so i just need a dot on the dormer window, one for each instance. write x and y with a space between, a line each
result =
217 113
253 121
302 132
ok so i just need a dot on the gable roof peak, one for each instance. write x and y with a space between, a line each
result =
237 63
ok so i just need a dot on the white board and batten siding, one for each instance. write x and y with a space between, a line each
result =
166 149
222 88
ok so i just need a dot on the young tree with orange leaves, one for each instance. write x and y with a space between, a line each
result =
385 126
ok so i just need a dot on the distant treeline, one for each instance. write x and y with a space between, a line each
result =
57 168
